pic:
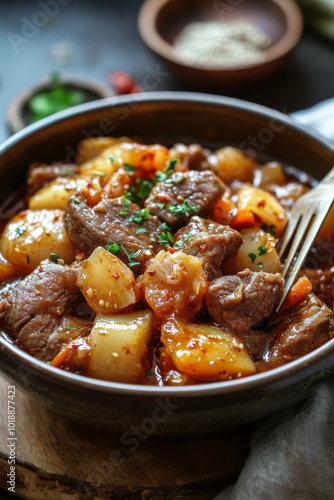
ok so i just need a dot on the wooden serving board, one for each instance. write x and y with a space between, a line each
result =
58 459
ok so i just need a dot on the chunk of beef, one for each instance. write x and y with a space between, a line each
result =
185 194
241 301
38 312
113 220
209 241
40 174
194 157
299 331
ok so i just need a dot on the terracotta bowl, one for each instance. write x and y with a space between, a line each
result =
166 117
161 21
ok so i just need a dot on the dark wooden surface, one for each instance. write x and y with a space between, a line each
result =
55 458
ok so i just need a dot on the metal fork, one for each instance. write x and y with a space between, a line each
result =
306 218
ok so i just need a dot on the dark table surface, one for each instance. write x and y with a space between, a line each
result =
104 37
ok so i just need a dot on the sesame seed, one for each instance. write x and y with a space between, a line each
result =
115 354
90 292
241 345
239 375
101 303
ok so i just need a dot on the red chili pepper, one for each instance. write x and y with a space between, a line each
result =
123 83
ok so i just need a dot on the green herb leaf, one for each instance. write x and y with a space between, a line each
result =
98 173
160 205
113 247
19 231
70 328
54 258
184 208
112 159
171 166
138 217
268 229
160 177
129 168
166 226
126 204
262 250
75 200
166 239
140 230
252 257
57 98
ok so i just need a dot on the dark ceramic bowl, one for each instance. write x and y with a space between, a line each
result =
169 118
161 21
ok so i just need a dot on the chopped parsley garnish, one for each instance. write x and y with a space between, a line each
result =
149 374
184 208
98 173
54 258
252 257
268 229
166 239
112 159
140 230
72 328
114 248
19 231
139 190
162 176
75 200
179 245
138 217
129 168
188 237
260 264
48 362
131 256
166 226
171 166
126 204
160 205
68 172
262 250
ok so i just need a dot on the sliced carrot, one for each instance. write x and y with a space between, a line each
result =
243 219
297 293
223 211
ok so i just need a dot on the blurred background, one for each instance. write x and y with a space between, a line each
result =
94 39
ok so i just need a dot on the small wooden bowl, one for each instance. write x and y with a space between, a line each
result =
161 21
18 115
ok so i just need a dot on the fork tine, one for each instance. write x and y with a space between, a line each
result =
301 229
288 233
300 259
306 245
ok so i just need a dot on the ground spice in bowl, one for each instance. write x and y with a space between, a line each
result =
220 44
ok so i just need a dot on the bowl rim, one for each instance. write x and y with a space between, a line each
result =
149 12
275 375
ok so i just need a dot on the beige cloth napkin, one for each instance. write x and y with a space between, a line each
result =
292 451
